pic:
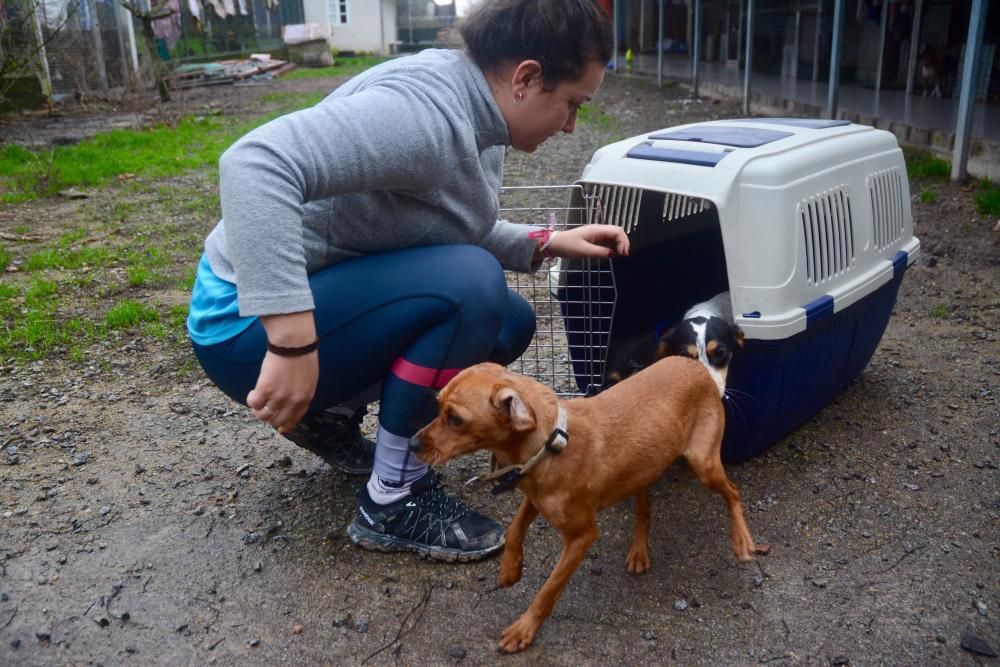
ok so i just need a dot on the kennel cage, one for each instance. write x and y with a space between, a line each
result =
807 225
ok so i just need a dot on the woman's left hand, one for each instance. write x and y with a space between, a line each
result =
599 241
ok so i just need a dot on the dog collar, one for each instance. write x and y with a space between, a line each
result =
509 476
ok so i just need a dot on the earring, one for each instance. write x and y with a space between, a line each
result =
518 97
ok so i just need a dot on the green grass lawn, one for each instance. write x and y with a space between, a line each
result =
107 266
152 153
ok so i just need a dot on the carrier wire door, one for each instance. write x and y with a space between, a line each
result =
574 300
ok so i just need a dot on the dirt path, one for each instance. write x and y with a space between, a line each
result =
145 519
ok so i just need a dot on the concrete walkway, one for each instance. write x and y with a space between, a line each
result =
921 121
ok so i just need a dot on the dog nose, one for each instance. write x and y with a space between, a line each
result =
414 443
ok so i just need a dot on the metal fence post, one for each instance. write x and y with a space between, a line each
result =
911 66
967 100
695 73
838 29
748 59
881 46
95 33
659 48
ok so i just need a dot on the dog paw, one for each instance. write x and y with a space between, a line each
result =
762 549
638 561
518 636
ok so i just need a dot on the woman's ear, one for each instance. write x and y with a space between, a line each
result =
525 74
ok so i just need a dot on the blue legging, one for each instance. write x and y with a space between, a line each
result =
410 319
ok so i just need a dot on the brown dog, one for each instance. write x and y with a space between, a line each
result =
619 442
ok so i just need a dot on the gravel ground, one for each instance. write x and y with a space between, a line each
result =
145 519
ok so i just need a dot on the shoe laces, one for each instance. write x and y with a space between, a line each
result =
436 500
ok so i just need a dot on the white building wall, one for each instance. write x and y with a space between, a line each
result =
371 24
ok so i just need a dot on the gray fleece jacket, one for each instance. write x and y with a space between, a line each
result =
408 153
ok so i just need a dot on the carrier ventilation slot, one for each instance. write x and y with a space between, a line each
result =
613 205
828 233
620 205
885 193
681 206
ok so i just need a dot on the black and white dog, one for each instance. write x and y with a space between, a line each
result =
706 333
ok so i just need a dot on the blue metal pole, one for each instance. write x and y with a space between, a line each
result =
911 65
614 20
697 48
659 49
883 19
967 99
838 30
748 59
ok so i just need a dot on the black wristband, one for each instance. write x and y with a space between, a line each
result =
292 351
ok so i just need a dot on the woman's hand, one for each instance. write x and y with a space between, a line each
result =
286 385
599 241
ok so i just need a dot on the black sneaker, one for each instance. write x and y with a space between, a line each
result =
427 521
337 439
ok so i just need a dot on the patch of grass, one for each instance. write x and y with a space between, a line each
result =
921 164
177 316
128 314
343 66
39 291
69 238
34 334
153 329
10 301
940 312
988 202
292 101
928 197
596 117
71 258
6 257
158 152
186 282
138 276
149 256
122 210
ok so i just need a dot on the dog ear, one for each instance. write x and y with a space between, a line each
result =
666 346
738 335
510 404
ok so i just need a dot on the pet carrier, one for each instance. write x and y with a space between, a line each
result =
806 223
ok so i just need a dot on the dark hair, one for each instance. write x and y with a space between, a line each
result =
563 35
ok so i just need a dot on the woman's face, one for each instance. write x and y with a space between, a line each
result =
541 113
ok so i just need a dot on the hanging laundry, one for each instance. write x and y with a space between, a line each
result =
243 7
195 9
169 28
271 4
219 8
230 7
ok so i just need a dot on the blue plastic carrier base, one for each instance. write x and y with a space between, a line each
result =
779 384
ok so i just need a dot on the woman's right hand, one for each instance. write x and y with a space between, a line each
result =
286 385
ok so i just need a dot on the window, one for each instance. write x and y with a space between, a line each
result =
336 11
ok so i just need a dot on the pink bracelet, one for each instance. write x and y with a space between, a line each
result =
546 247
543 237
